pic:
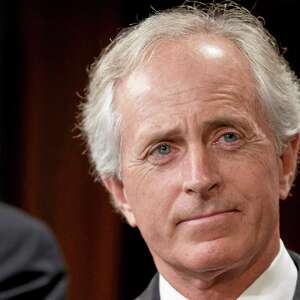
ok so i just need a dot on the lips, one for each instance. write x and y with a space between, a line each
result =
209 216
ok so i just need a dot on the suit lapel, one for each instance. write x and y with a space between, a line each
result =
296 259
152 291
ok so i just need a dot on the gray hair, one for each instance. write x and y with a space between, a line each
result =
277 86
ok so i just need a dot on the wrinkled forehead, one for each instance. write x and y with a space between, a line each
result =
202 60
204 75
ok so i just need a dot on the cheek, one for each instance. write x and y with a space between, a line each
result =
151 194
255 181
257 167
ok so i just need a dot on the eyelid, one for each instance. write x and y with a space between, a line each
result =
226 130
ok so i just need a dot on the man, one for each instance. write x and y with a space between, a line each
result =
192 121
31 266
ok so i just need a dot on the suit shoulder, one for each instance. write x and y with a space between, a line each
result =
13 218
25 239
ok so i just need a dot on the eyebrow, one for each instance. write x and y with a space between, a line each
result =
227 121
151 134
157 135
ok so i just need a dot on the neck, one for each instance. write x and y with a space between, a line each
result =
226 283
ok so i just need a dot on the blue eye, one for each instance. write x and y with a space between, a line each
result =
230 137
163 149
162 153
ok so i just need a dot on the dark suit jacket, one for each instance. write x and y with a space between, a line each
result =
31 266
152 291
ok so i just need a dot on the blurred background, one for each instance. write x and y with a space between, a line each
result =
45 49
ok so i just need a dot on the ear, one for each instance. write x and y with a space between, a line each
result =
289 158
116 189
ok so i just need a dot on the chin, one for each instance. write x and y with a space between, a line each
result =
215 256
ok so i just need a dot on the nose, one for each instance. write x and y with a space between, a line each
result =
201 174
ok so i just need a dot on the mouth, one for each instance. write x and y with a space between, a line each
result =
210 216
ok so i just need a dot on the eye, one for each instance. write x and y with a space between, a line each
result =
162 149
229 140
230 137
162 154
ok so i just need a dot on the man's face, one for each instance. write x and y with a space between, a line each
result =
200 175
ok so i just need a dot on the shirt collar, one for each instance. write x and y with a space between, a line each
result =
277 282
273 284
167 292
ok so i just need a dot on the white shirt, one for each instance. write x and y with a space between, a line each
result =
276 283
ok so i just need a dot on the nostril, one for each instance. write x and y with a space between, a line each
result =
212 187
198 188
190 191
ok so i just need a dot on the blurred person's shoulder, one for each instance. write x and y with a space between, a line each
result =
31 263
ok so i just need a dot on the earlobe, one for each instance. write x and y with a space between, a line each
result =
289 159
116 189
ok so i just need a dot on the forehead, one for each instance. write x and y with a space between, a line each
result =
202 68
